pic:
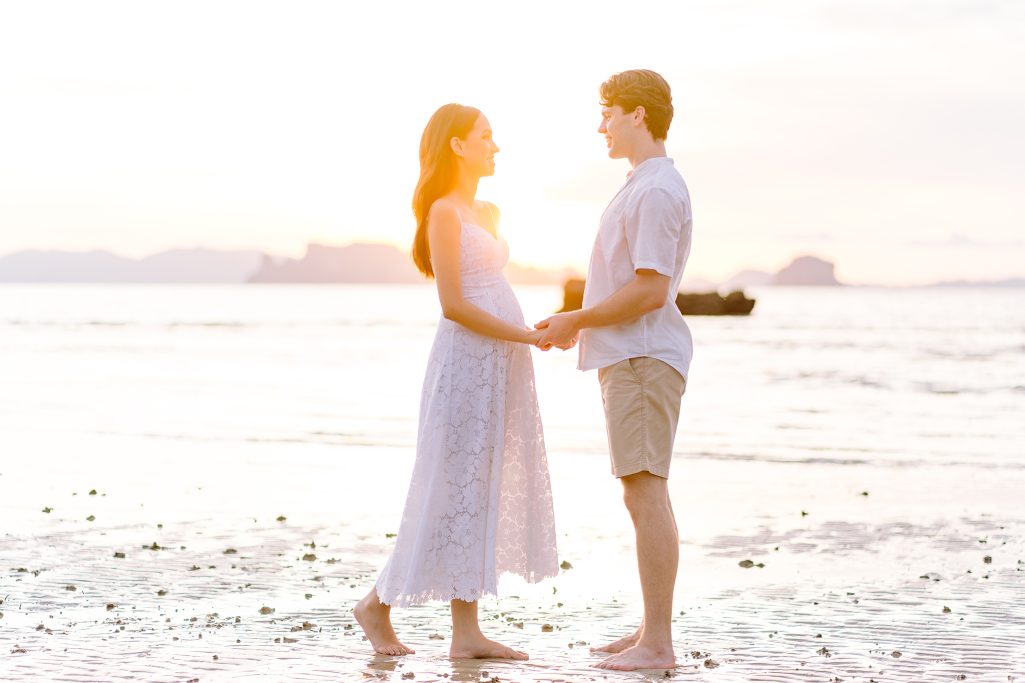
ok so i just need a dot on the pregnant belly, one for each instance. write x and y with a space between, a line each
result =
497 298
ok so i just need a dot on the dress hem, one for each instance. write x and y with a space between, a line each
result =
432 594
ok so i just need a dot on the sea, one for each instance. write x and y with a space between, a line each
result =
896 376
198 482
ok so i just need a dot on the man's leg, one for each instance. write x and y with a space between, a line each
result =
658 552
631 640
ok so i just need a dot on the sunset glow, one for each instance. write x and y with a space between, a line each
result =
885 137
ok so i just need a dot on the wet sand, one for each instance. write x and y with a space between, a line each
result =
204 565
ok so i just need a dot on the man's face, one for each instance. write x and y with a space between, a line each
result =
616 127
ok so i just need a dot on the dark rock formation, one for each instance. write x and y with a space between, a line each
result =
710 303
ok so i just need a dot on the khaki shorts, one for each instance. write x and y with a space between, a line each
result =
642 408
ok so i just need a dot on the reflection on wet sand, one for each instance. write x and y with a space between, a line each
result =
855 588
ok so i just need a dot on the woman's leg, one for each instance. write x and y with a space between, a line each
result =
374 617
467 640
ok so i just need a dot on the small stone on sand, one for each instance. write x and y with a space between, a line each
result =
266 610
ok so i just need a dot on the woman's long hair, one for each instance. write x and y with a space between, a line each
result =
437 171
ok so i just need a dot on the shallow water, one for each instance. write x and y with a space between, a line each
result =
200 415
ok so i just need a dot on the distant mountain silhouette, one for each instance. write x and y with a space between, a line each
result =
1009 282
179 265
806 271
370 263
802 271
697 285
355 263
748 278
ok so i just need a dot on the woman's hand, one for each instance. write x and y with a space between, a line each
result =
533 337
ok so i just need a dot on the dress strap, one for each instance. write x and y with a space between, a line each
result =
491 212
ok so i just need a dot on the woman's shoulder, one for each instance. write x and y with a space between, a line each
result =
444 212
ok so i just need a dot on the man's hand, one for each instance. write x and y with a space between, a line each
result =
561 330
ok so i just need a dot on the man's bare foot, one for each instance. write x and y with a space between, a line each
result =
621 644
479 647
640 656
375 620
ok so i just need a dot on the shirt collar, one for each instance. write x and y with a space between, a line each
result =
647 166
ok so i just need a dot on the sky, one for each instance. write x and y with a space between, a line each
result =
885 136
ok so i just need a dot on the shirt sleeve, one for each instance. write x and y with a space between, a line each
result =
653 232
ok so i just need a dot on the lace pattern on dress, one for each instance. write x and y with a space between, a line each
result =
479 501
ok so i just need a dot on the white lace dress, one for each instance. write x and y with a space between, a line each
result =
480 499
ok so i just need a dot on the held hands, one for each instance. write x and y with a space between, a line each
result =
534 338
560 330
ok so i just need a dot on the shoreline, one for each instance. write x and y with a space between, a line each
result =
849 570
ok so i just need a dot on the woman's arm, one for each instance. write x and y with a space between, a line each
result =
443 230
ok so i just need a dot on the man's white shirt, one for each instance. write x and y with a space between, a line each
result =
647 225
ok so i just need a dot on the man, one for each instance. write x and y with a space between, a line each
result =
631 331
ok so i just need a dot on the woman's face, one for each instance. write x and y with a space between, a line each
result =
478 149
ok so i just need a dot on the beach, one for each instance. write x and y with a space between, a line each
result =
190 494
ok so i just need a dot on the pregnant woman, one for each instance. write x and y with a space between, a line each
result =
479 502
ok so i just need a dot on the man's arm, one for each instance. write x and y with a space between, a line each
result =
648 291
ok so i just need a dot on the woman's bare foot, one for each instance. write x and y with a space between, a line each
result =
375 620
621 644
640 656
479 647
